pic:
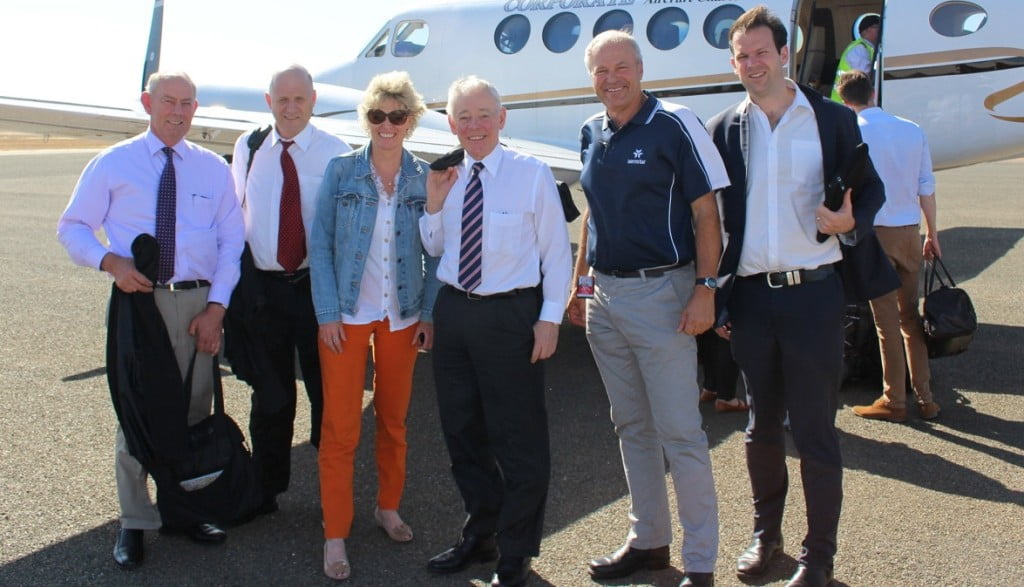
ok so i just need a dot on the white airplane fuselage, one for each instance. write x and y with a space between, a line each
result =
965 91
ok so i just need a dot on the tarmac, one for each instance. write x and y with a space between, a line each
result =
926 503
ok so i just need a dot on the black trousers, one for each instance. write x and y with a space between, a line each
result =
788 343
290 325
493 416
720 370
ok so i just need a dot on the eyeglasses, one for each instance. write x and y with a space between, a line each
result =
397 117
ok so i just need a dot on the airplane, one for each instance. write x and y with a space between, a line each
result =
951 66
954 67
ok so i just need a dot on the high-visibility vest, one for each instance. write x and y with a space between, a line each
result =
844 65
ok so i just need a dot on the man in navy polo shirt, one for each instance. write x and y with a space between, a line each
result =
652 240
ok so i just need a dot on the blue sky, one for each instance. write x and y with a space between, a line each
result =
92 51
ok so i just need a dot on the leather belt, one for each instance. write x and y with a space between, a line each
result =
495 296
183 285
291 277
777 279
656 272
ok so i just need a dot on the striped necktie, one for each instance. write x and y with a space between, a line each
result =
166 206
471 251
291 234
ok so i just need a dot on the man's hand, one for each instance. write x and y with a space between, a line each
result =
545 340
438 185
699 313
838 222
126 276
725 331
206 328
577 310
931 247
423 339
332 335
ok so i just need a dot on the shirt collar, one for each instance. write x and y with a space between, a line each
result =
492 162
302 140
154 144
642 117
799 100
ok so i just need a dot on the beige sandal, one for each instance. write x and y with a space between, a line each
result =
400 532
337 568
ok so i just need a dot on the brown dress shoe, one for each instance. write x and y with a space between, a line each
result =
627 560
928 410
880 410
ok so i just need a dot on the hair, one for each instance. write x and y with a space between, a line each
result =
469 84
158 77
759 16
868 21
294 68
855 88
610 38
397 86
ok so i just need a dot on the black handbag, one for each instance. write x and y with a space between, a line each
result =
218 482
949 318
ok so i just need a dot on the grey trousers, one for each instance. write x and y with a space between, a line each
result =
177 310
650 374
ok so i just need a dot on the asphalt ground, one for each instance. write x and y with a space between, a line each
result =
926 503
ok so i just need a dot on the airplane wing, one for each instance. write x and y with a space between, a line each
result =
217 127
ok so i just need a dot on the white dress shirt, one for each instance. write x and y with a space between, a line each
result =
261 193
378 292
118 190
899 151
524 230
785 184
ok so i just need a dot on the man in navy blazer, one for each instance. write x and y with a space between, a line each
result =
783 293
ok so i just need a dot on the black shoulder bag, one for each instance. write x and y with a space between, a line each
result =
949 318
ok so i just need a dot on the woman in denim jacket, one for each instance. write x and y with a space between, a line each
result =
371 280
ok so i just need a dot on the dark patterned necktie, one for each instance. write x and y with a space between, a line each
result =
291 235
471 250
166 206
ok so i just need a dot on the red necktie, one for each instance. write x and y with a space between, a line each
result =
291 235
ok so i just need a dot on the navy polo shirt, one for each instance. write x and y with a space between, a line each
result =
640 180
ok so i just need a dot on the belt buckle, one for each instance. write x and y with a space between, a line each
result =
171 287
472 296
771 284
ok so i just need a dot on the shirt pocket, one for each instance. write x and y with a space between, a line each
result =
504 232
805 162
197 210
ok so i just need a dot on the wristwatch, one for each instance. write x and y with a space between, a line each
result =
708 282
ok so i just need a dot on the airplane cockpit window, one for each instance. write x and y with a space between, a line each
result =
716 27
956 19
512 33
411 37
561 32
667 28
379 45
614 20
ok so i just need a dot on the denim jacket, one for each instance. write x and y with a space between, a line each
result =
345 215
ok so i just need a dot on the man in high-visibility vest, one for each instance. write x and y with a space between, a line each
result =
860 54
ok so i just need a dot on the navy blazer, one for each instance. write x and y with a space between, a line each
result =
866 271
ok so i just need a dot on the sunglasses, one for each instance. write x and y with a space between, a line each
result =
397 117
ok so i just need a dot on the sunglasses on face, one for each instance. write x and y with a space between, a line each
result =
397 117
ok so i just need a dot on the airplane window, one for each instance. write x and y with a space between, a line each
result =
378 46
561 32
614 20
512 33
799 44
956 19
667 28
716 27
410 38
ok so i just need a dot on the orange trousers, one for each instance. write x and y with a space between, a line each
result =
394 357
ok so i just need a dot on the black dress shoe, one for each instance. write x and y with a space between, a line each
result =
470 549
811 577
754 560
627 560
128 549
698 580
202 533
512 571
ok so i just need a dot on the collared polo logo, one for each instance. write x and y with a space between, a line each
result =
638 158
